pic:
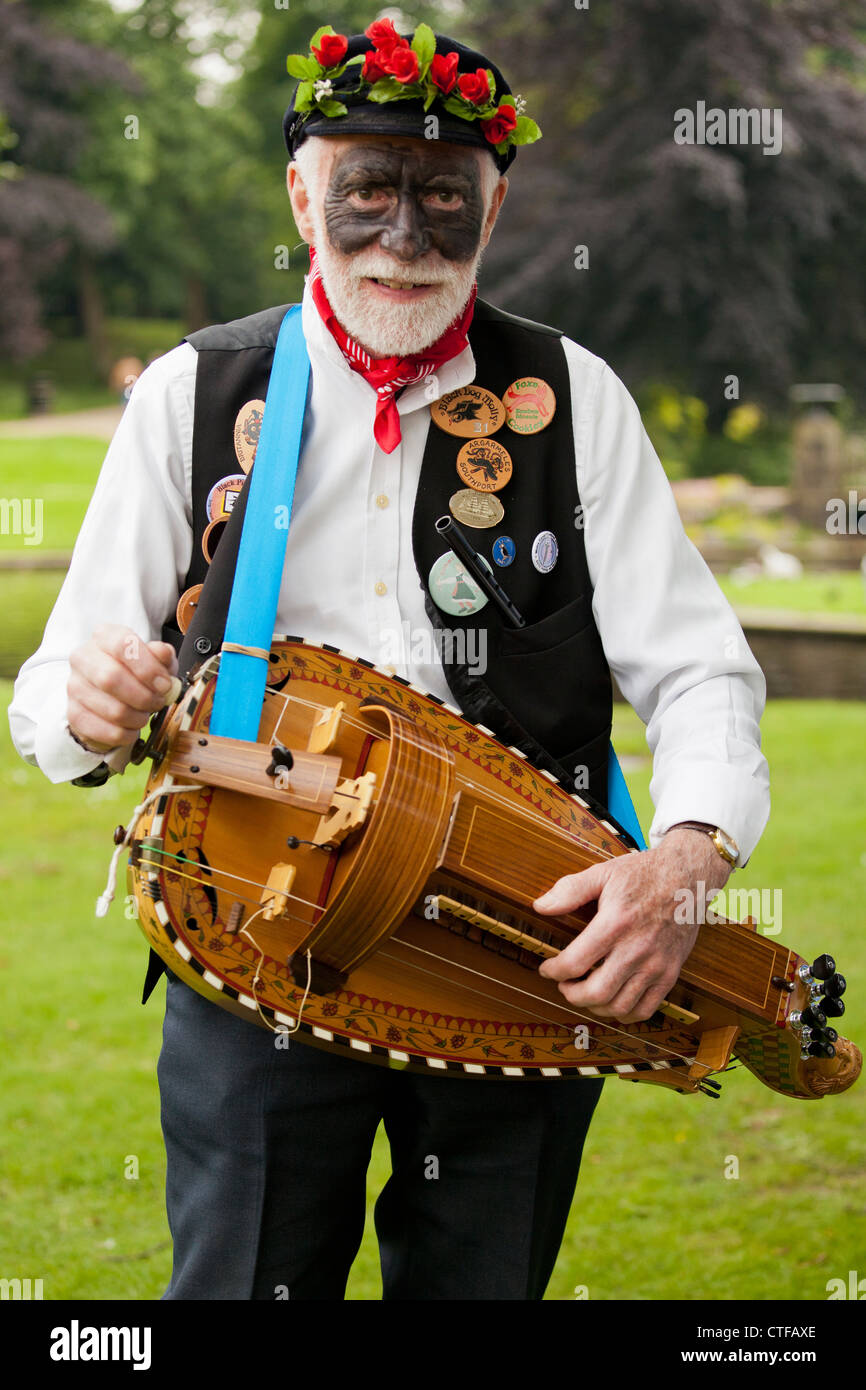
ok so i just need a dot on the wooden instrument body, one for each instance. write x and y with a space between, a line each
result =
414 923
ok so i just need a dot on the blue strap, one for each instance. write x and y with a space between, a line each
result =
240 687
619 802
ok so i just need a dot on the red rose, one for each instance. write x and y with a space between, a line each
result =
384 36
331 50
443 70
475 87
403 64
500 126
373 67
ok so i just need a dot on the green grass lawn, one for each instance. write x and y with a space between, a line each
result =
58 471
654 1216
837 591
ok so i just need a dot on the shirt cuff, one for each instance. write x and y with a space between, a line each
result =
57 754
718 795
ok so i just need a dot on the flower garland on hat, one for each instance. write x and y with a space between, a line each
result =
397 70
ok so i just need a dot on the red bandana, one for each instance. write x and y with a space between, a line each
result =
387 375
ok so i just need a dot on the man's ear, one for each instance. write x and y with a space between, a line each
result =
300 200
496 202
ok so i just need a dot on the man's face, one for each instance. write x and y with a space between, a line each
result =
399 226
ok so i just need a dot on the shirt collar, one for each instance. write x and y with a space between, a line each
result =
458 371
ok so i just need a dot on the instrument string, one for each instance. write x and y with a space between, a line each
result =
482 975
463 782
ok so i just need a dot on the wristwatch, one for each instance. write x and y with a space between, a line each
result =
724 843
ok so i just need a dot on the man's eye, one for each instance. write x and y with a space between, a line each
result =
446 197
368 195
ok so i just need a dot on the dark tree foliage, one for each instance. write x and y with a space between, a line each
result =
45 77
704 260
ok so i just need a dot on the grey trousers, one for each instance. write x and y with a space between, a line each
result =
268 1150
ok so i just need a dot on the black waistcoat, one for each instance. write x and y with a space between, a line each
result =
546 689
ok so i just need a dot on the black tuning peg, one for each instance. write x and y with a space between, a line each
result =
833 1008
813 1017
281 759
829 1035
823 967
835 986
819 1048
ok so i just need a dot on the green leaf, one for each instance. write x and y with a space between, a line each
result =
330 107
526 131
358 59
299 66
491 82
424 44
386 89
304 97
507 101
430 98
460 108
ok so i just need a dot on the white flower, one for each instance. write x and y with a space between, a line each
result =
323 88
519 105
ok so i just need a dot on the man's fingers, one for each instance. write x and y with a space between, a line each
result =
102 705
586 951
152 668
94 670
573 891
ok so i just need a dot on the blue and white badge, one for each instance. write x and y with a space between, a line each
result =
504 550
545 551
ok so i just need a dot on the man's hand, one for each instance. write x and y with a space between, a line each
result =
116 682
633 940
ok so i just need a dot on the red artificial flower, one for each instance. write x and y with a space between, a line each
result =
500 126
373 67
475 87
383 36
403 64
331 50
443 71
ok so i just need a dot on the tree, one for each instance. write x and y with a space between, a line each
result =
705 261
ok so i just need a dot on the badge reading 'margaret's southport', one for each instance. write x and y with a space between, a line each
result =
484 465
469 412
248 427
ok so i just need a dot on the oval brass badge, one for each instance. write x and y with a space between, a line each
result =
471 508
469 412
484 465
530 405
248 427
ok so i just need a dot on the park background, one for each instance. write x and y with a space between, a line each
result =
701 263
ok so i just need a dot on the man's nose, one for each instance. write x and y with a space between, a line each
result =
406 237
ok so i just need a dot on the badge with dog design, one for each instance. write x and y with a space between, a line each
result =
248 428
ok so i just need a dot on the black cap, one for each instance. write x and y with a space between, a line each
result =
404 117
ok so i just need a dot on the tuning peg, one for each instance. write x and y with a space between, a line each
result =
281 759
829 1035
819 1048
823 967
835 986
813 1017
833 1008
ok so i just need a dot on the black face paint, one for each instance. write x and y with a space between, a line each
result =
408 202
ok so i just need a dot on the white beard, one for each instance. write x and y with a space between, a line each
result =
393 330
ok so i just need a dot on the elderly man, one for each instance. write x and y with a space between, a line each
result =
396 181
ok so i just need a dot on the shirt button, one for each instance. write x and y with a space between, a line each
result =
382 501
381 588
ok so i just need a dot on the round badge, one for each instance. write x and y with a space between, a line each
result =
186 606
530 405
453 589
479 509
484 465
504 550
248 427
211 537
223 495
545 551
469 412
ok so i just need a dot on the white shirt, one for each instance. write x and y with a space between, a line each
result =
669 635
